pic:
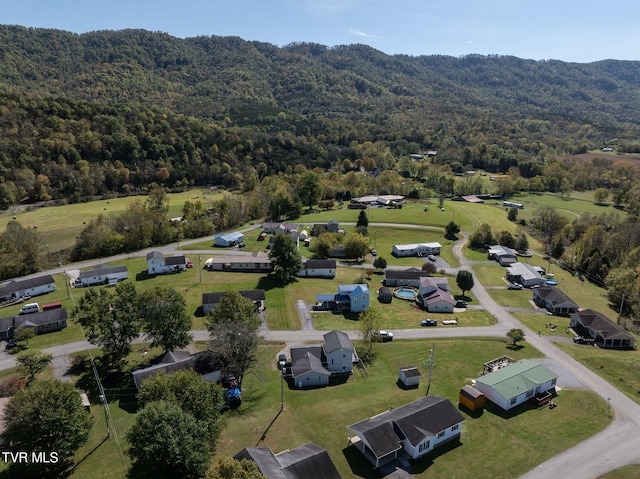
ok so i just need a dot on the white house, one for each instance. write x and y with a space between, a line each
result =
36 286
416 249
524 274
229 239
434 295
103 275
516 383
414 429
318 268
159 264
257 262
502 254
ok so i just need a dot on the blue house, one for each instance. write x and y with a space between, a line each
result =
350 297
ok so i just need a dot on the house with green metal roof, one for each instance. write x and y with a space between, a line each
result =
512 385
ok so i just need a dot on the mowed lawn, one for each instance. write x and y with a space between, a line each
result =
494 444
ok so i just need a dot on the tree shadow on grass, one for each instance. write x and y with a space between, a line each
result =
270 282
144 275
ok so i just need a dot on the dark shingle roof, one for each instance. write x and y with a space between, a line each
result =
320 264
335 340
102 270
553 295
603 325
308 461
175 260
252 294
22 284
39 319
411 273
414 421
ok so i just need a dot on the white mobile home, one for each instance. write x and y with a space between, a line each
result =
103 275
416 249
27 287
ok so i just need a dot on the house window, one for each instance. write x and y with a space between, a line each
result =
440 434
423 446
456 427
553 382
530 393
513 400
331 360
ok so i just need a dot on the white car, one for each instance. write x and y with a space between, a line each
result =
383 336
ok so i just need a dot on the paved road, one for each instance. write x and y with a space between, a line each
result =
618 445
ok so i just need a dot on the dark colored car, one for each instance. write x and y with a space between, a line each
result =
428 322
461 304
11 343
282 361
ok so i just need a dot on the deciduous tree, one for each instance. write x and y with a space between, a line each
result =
285 258
32 362
164 318
111 321
166 442
516 335
46 417
233 326
228 468
369 322
464 280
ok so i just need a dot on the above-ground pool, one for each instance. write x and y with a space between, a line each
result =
404 292
552 282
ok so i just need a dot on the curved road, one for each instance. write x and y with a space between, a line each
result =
616 446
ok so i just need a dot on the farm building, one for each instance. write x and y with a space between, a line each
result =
157 263
502 254
524 274
517 383
303 462
471 398
102 274
350 297
229 239
604 332
257 262
414 430
35 286
211 300
378 200
409 376
554 300
318 268
416 249
434 295
405 277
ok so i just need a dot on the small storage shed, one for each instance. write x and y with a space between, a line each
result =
385 295
471 398
409 376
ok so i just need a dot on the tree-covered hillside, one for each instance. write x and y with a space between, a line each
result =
117 111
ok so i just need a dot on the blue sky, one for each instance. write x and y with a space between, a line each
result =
568 30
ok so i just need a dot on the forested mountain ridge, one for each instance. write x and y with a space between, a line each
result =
115 112
204 76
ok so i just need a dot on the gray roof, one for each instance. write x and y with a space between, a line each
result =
335 340
308 363
411 371
410 273
415 421
22 284
308 461
33 320
170 362
102 270
320 264
174 260
602 325
252 294
154 254
553 295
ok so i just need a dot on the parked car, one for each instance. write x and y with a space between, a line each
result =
282 361
11 343
431 257
241 245
383 336
189 263
579 340
374 252
428 322
30 308
461 304
514 286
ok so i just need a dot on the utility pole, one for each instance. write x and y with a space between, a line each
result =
200 267
282 389
431 364
66 282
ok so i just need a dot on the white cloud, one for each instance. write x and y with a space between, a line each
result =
359 33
